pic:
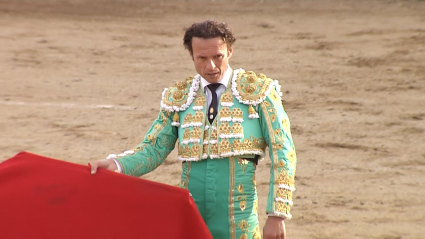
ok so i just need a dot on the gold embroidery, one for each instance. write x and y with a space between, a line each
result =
237 113
273 117
242 205
292 156
242 162
188 119
255 207
250 87
243 225
225 112
227 98
240 188
178 95
283 207
181 85
256 233
224 146
237 128
284 178
281 163
196 133
200 101
224 128
251 76
284 193
243 236
273 155
196 150
231 199
186 134
253 180
205 148
185 180
198 117
214 134
213 149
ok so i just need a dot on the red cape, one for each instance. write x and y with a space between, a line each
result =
47 198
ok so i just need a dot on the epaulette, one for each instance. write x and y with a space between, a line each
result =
180 96
252 89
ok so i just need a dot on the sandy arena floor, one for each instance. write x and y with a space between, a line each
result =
81 79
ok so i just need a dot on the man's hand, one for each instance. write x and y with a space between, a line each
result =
108 164
274 228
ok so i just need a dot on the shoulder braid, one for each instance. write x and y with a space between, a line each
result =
181 95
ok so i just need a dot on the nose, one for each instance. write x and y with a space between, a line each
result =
210 65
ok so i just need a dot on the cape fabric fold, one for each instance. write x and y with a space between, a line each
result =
46 198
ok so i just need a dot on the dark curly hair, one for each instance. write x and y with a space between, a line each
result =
208 29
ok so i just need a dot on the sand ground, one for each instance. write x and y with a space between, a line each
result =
81 79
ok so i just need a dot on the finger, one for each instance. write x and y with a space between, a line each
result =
94 167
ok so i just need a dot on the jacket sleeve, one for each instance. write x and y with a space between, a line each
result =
159 141
277 135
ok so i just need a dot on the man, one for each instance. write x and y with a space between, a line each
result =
223 120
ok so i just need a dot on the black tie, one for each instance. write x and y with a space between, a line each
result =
212 111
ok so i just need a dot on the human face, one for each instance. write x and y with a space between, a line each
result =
210 57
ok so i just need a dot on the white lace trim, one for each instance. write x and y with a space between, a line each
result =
281 214
187 159
193 124
177 124
253 116
226 119
191 95
287 187
198 107
231 136
278 87
227 104
237 120
125 153
213 141
279 199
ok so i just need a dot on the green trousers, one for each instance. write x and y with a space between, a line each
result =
225 193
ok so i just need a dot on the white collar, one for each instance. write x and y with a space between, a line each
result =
224 80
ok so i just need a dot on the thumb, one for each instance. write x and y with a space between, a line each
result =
94 167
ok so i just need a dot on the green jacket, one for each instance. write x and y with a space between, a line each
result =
251 117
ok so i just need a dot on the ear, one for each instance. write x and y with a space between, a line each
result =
229 52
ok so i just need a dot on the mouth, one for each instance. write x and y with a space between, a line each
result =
213 74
